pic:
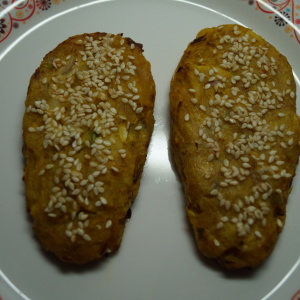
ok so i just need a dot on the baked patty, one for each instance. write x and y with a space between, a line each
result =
86 130
235 142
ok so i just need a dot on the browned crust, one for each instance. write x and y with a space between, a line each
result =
122 178
212 208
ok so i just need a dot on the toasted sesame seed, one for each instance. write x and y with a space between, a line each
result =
283 145
68 233
108 224
103 200
98 203
246 165
86 237
234 182
139 110
258 234
42 172
214 192
83 113
210 157
202 107
219 225
138 127
52 215
279 223
224 219
217 243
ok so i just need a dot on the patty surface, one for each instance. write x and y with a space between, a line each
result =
86 130
235 142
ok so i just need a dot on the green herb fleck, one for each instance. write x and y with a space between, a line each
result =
93 136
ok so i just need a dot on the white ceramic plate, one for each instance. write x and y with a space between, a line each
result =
158 258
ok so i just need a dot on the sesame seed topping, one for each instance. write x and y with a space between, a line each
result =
83 129
242 94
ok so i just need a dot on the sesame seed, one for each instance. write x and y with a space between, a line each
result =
86 237
214 192
68 233
219 225
283 145
63 130
258 234
103 200
217 243
202 107
234 182
138 127
210 157
279 223
42 172
187 117
246 165
52 215
108 224
139 110
224 219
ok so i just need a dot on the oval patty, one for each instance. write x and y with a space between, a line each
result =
86 130
235 142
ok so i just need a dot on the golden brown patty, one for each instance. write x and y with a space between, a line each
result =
235 142
86 130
